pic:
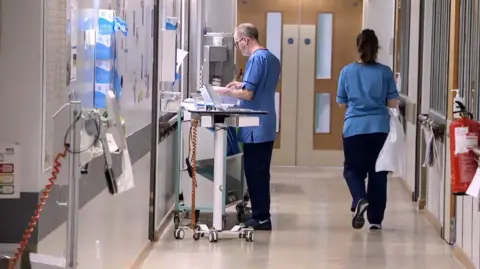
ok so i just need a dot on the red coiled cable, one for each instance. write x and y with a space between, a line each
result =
36 215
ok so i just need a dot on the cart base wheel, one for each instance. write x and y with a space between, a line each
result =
196 236
249 236
241 235
179 234
213 237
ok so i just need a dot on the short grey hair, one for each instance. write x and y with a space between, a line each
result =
248 30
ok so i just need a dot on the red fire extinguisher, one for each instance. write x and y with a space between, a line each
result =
464 135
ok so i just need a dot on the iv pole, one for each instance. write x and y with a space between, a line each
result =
73 187
69 120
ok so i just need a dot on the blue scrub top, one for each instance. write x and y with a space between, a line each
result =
365 89
261 76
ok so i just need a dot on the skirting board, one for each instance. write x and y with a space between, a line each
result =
408 191
162 227
432 220
426 213
421 204
457 252
462 258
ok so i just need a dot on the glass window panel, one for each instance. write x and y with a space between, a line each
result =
324 45
277 109
322 113
274 33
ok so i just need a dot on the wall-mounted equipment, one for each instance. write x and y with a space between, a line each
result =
218 59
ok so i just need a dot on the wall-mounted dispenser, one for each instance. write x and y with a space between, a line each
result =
218 58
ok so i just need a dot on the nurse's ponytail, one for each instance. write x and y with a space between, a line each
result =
367 46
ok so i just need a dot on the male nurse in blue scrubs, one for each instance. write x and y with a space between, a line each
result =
257 92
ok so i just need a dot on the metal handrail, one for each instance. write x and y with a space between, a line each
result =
438 129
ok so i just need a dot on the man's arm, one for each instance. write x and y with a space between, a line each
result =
253 75
242 94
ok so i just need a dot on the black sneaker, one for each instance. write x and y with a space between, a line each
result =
375 227
259 225
358 220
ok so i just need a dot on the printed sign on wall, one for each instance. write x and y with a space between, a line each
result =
9 171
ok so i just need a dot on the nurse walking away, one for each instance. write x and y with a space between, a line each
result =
366 88
257 91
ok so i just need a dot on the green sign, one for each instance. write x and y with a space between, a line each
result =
7 189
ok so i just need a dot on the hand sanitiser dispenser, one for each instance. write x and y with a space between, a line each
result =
456 108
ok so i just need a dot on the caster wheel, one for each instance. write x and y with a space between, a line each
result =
196 236
249 236
213 237
179 234
242 217
232 198
240 207
241 235
176 221
224 223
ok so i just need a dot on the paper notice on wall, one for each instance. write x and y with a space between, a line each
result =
474 188
181 54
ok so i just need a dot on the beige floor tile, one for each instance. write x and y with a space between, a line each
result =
311 217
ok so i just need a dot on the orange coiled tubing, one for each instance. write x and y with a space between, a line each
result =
36 215
192 148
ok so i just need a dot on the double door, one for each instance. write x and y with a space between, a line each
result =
314 40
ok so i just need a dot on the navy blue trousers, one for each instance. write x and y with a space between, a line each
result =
257 159
361 153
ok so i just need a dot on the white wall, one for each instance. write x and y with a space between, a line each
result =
379 15
21 52
220 15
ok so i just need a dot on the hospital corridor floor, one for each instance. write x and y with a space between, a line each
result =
312 229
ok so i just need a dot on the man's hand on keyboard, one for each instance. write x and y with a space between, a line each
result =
235 85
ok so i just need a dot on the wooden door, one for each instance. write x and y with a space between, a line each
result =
277 22
310 122
327 42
